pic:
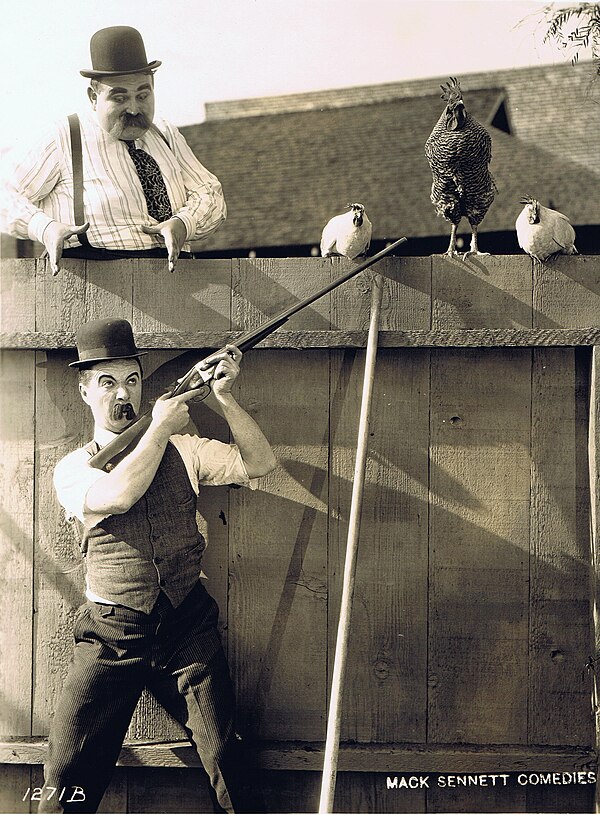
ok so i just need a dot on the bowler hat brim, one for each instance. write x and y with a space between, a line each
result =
142 70
85 363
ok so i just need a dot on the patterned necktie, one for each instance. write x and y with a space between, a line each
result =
153 184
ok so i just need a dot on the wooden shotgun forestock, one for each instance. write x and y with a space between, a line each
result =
244 343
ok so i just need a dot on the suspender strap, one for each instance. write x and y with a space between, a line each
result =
77 163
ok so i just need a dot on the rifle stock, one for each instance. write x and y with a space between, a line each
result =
244 343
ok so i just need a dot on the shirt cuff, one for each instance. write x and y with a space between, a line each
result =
188 222
37 225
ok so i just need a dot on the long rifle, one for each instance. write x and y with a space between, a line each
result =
246 341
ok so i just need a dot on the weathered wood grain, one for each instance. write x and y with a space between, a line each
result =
368 792
295 340
558 798
385 694
406 296
60 301
492 292
195 297
17 427
506 482
278 553
59 571
559 685
15 780
264 288
362 758
109 289
17 294
566 292
168 791
479 546
490 798
487 292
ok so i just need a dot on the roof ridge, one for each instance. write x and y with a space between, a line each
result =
355 95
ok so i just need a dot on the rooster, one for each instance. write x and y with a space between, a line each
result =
459 150
543 232
348 234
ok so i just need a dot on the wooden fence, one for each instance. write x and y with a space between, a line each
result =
474 617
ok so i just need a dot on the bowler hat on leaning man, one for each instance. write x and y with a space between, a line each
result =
103 340
116 51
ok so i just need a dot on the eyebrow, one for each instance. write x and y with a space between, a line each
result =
116 91
112 376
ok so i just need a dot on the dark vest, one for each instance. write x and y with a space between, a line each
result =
155 545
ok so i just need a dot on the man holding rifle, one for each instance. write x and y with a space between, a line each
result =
148 621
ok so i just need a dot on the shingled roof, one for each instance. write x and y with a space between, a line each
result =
556 107
284 175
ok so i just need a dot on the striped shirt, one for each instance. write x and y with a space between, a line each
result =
38 187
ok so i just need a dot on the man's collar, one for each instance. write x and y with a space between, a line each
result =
102 436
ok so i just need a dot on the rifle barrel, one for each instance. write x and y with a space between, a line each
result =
245 342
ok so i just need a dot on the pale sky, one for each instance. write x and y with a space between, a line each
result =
214 50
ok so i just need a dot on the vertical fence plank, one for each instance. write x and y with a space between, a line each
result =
17 373
17 294
59 572
195 297
17 425
263 288
278 535
385 695
490 292
60 300
109 289
278 550
479 545
559 583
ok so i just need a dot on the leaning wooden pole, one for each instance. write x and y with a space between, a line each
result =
332 743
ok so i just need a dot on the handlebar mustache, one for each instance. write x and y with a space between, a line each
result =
133 120
125 410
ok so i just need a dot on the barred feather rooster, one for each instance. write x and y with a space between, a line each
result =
459 151
544 232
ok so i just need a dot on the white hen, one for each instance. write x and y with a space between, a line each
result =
348 234
543 232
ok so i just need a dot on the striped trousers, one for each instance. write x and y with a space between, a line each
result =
176 654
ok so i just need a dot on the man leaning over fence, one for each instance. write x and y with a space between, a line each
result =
148 621
112 183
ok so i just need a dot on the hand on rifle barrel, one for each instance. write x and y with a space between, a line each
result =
225 365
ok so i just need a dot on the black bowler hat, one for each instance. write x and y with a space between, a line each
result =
103 340
118 50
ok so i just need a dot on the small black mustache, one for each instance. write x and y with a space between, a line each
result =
125 410
134 120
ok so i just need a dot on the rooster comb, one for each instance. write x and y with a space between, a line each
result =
451 91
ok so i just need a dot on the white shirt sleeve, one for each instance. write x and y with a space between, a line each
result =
212 463
73 477
205 209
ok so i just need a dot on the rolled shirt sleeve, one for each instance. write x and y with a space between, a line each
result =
26 179
73 477
205 209
212 463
